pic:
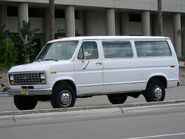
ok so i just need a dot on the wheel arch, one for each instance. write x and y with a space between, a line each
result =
66 81
162 78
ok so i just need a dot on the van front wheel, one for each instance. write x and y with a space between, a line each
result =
155 91
25 102
63 96
117 98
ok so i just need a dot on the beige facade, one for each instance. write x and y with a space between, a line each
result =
98 17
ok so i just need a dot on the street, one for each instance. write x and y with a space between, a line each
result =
158 124
6 102
166 124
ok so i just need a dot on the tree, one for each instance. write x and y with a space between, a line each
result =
9 57
51 19
8 53
25 44
4 34
160 17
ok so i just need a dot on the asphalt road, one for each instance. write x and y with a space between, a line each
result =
6 102
166 124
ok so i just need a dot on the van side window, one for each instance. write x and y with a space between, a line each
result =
117 49
152 48
88 49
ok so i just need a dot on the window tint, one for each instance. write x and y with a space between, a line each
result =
88 49
117 49
134 17
59 13
77 14
12 11
35 12
152 48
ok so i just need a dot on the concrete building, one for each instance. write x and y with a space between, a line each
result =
97 17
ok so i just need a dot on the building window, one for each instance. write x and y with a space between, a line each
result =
59 13
35 12
134 17
12 11
77 14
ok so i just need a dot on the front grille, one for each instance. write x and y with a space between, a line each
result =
27 78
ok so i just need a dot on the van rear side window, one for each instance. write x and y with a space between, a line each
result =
117 49
152 48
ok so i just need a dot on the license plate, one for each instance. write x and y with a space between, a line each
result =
24 91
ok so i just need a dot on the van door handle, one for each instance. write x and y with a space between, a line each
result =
98 63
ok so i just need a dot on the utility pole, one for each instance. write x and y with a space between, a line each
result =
51 19
160 17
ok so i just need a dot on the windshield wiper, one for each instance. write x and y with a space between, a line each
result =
49 59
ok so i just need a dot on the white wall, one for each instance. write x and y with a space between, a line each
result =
95 23
38 23
135 28
118 24
168 26
12 24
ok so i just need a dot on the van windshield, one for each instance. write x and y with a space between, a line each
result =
57 51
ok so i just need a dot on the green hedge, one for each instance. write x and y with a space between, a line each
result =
181 58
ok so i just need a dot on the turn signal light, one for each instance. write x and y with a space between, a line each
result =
53 72
43 81
12 82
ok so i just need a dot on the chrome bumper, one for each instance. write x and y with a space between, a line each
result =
30 92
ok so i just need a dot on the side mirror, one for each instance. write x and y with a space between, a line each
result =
87 56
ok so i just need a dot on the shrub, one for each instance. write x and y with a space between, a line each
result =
17 48
4 34
26 43
9 56
181 58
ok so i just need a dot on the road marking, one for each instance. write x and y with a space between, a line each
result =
157 136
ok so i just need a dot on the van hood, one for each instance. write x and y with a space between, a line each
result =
35 66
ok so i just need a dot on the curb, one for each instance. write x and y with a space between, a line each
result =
62 116
90 113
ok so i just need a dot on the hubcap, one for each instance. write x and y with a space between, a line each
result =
158 93
66 98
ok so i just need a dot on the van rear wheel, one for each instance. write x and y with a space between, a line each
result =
63 96
117 98
155 91
25 102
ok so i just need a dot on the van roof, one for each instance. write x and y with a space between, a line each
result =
107 38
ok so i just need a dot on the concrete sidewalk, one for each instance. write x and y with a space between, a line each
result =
68 114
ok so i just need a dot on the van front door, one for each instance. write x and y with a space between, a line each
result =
89 69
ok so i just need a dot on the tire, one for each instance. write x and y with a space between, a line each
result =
117 98
63 96
155 91
25 102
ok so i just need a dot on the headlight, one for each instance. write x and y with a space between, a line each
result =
43 78
11 77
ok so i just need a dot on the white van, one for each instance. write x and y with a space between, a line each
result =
116 66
